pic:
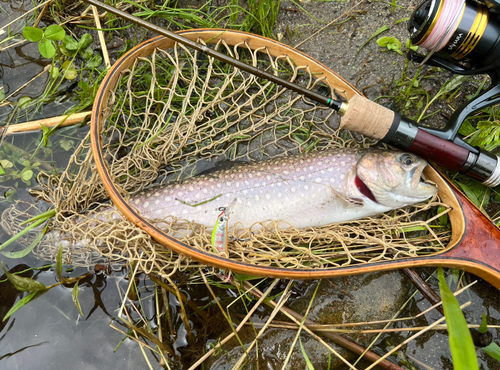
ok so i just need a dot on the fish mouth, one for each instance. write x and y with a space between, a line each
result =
421 189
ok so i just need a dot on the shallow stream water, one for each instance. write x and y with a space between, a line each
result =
49 333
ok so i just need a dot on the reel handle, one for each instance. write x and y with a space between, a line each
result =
373 120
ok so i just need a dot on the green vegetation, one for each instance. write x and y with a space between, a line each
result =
391 43
36 288
462 348
45 38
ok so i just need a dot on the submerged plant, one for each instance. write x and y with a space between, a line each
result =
36 288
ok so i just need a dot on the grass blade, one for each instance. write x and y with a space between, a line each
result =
20 304
493 350
59 264
18 235
74 296
25 251
483 328
462 348
45 215
306 357
469 193
375 34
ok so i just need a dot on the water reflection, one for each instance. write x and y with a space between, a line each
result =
49 332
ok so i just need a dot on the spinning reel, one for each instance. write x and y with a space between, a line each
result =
461 36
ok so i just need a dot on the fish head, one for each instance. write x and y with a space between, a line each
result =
394 177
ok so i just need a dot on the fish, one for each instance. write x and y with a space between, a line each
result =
304 190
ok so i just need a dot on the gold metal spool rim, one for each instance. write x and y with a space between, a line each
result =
474 35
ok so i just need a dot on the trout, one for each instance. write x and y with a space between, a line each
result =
305 190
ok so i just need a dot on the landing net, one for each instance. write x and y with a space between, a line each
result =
175 113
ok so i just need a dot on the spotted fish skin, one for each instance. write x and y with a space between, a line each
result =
306 190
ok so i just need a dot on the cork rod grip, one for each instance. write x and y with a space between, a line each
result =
367 118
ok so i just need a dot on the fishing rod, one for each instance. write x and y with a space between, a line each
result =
363 116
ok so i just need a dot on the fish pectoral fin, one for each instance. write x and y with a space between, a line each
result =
347 199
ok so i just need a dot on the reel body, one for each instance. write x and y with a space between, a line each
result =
463 37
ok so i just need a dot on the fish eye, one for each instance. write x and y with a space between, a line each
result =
406 159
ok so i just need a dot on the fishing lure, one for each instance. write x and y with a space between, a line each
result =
220 234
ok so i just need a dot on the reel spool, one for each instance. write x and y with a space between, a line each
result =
457 31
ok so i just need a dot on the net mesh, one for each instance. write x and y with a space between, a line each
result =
176 113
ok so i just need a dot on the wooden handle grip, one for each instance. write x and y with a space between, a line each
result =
367 118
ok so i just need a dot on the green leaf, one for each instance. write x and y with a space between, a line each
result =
66 144
85 41
391 43
66 52
454 83
70 43
6 163
2 171
467 129
54 72
24 284
86 53
243 277
477 193
42 216
46 48
74 296
10 195
59 263
384 41
26 174
94 62
461 345
20 304
375 34
444 218
46 133
410 46
55 32
32 34
24 252
483 328
24 102
84 86
493 350
306 357
70 72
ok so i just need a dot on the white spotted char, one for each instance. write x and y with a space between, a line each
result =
304 190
